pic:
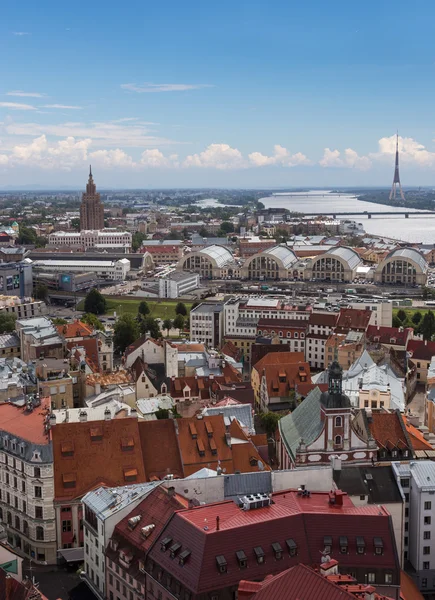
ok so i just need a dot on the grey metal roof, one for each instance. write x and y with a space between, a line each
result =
241 412
284 254
222 256
380 487
247 483
423 473
9 340
104 502
350 256
303 423
411 254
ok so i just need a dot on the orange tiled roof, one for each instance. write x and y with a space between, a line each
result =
117 377
75 329
284 372
90 346
417 439
353 318
388 429
26 425
160 449
99 456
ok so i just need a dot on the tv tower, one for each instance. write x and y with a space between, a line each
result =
396 179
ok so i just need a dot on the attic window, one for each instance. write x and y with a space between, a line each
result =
360 545
193 431
174 549
259 554
253 461
277 549
127 444
327 543
242 559
130 474
292 547
209 429
200 447
67 448
96 434
221 563
213 447
69 480
343 545
379 545
282 377
165 543
184 556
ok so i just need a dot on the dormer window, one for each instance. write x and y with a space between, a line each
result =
130 475
242 559
184 556
96 434
379 545
165 543
292 547
174 549
67 449
360 545
343 545
259 554
221 563
327 544
277 549
127 444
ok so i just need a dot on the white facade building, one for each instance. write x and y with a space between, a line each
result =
115 270
178 284
416 479
104 238
23 308
103 508
207 324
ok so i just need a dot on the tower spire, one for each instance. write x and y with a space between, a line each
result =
396 178
90 171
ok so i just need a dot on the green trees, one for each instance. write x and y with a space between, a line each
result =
416 318
427 326
144 309
181 309
59 321
401 315
93 321
227 227
126 331
151 327
167 324
7 322
26 235
137 240
41 292
95 303
270 422
179 322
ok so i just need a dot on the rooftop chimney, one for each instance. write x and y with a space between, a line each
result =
107 414
83 416
217 523
52 420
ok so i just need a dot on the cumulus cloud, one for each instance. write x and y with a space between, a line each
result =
20 93
64 154
281 157
64 106
155 158
152 88
411 151
350 159
16 106
217 156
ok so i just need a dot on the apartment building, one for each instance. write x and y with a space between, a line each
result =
207 324
103 508
23 308
54 381
178 284
113 270
39 338
101 239
26 480
320 327
163 252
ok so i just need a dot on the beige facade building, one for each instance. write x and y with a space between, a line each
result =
91 208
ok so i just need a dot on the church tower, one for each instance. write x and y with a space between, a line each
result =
336 411
91 208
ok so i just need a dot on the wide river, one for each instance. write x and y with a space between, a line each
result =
415 229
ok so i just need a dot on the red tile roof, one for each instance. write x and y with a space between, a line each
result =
75 330
97 456
202 386
284 372
417 439
24 424
325 319
389 431
91 349
305 520
353 319
388 335
160 451
421 349
408 588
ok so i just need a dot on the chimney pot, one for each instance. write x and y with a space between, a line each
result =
217 523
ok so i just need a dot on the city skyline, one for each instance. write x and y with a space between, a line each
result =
196 96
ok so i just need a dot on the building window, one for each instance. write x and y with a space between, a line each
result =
371 577
360 545
424 582
426 549
426 535
426 566
66 525
327 544
338 440
39 533
39 512
388 578
379 545
277 549
221 563
259 554
38 491
242 559
427 505
343 545
427 520
404 483
338 422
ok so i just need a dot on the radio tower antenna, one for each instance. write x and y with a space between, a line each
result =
396 179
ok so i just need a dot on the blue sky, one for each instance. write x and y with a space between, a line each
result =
216 94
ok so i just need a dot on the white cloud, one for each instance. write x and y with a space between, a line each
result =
411 152
350 159
111 158
64 154
149 88
133 135
217 156
155 158
281 157
16 106
22 94
63 106
20 33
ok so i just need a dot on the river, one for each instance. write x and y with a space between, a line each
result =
415 229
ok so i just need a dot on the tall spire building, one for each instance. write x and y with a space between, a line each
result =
91 208
396 179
